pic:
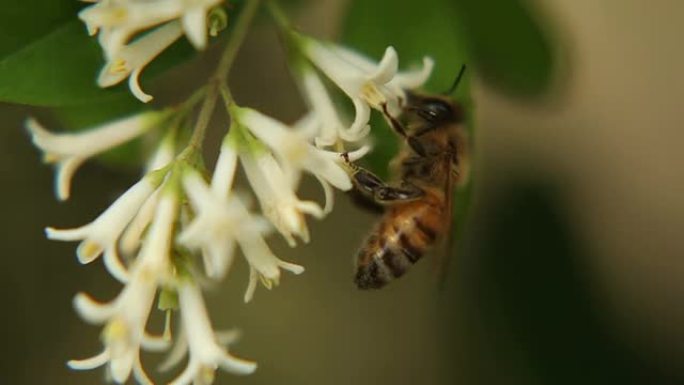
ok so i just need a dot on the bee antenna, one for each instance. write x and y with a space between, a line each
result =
456 82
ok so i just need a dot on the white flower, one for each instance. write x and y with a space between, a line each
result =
118 21
204 345
163 156
69 151
405 80
221 222
217 223
294 149
131 238
277 198
366 87
367 83
102 234
222 180
129 61
126 316
323 115
164 153
263 265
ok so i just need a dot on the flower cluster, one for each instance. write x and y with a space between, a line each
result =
116 22
180 225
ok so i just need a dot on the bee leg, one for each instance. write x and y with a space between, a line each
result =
414 143
364 181
391 194
365 202
394 122
372 191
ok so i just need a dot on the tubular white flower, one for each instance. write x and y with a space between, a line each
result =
366 87
220 223
102 234
126 316
214 226
69 151
294 150
405 80
164 153
118 21
206 352
195 23
129 61
323 115
131 237
263 265
369 84
278 201
224 173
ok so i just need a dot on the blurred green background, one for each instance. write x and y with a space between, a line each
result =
571 263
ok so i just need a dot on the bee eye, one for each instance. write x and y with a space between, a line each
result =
435 111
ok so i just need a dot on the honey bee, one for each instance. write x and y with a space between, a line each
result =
417 209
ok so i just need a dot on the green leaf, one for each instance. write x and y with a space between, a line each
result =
508 45
57 69
26 21
56 63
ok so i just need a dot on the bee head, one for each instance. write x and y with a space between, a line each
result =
437 109
434 110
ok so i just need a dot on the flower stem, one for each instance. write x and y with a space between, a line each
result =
204 116
237 38
218 81
278 15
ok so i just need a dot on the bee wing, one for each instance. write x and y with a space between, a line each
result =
445 248
459 177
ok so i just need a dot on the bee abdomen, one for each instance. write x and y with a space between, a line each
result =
386 263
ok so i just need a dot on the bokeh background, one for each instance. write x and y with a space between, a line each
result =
570 268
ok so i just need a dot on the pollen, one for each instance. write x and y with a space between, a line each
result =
269 282
372 95
118 15
90 249
116 330
206 375
50 157
119 66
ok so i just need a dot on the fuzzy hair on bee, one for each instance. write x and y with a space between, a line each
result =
417 204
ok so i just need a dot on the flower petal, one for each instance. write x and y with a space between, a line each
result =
195 26
328 194
410 80
120 367
251 285
65 172
222 180
188 374
131 59
237 365
134 85
93 311
361 117
387 68
88 250
140 375
89 363
114 265
177 353
67 234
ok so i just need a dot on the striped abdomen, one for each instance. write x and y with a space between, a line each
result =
399 240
